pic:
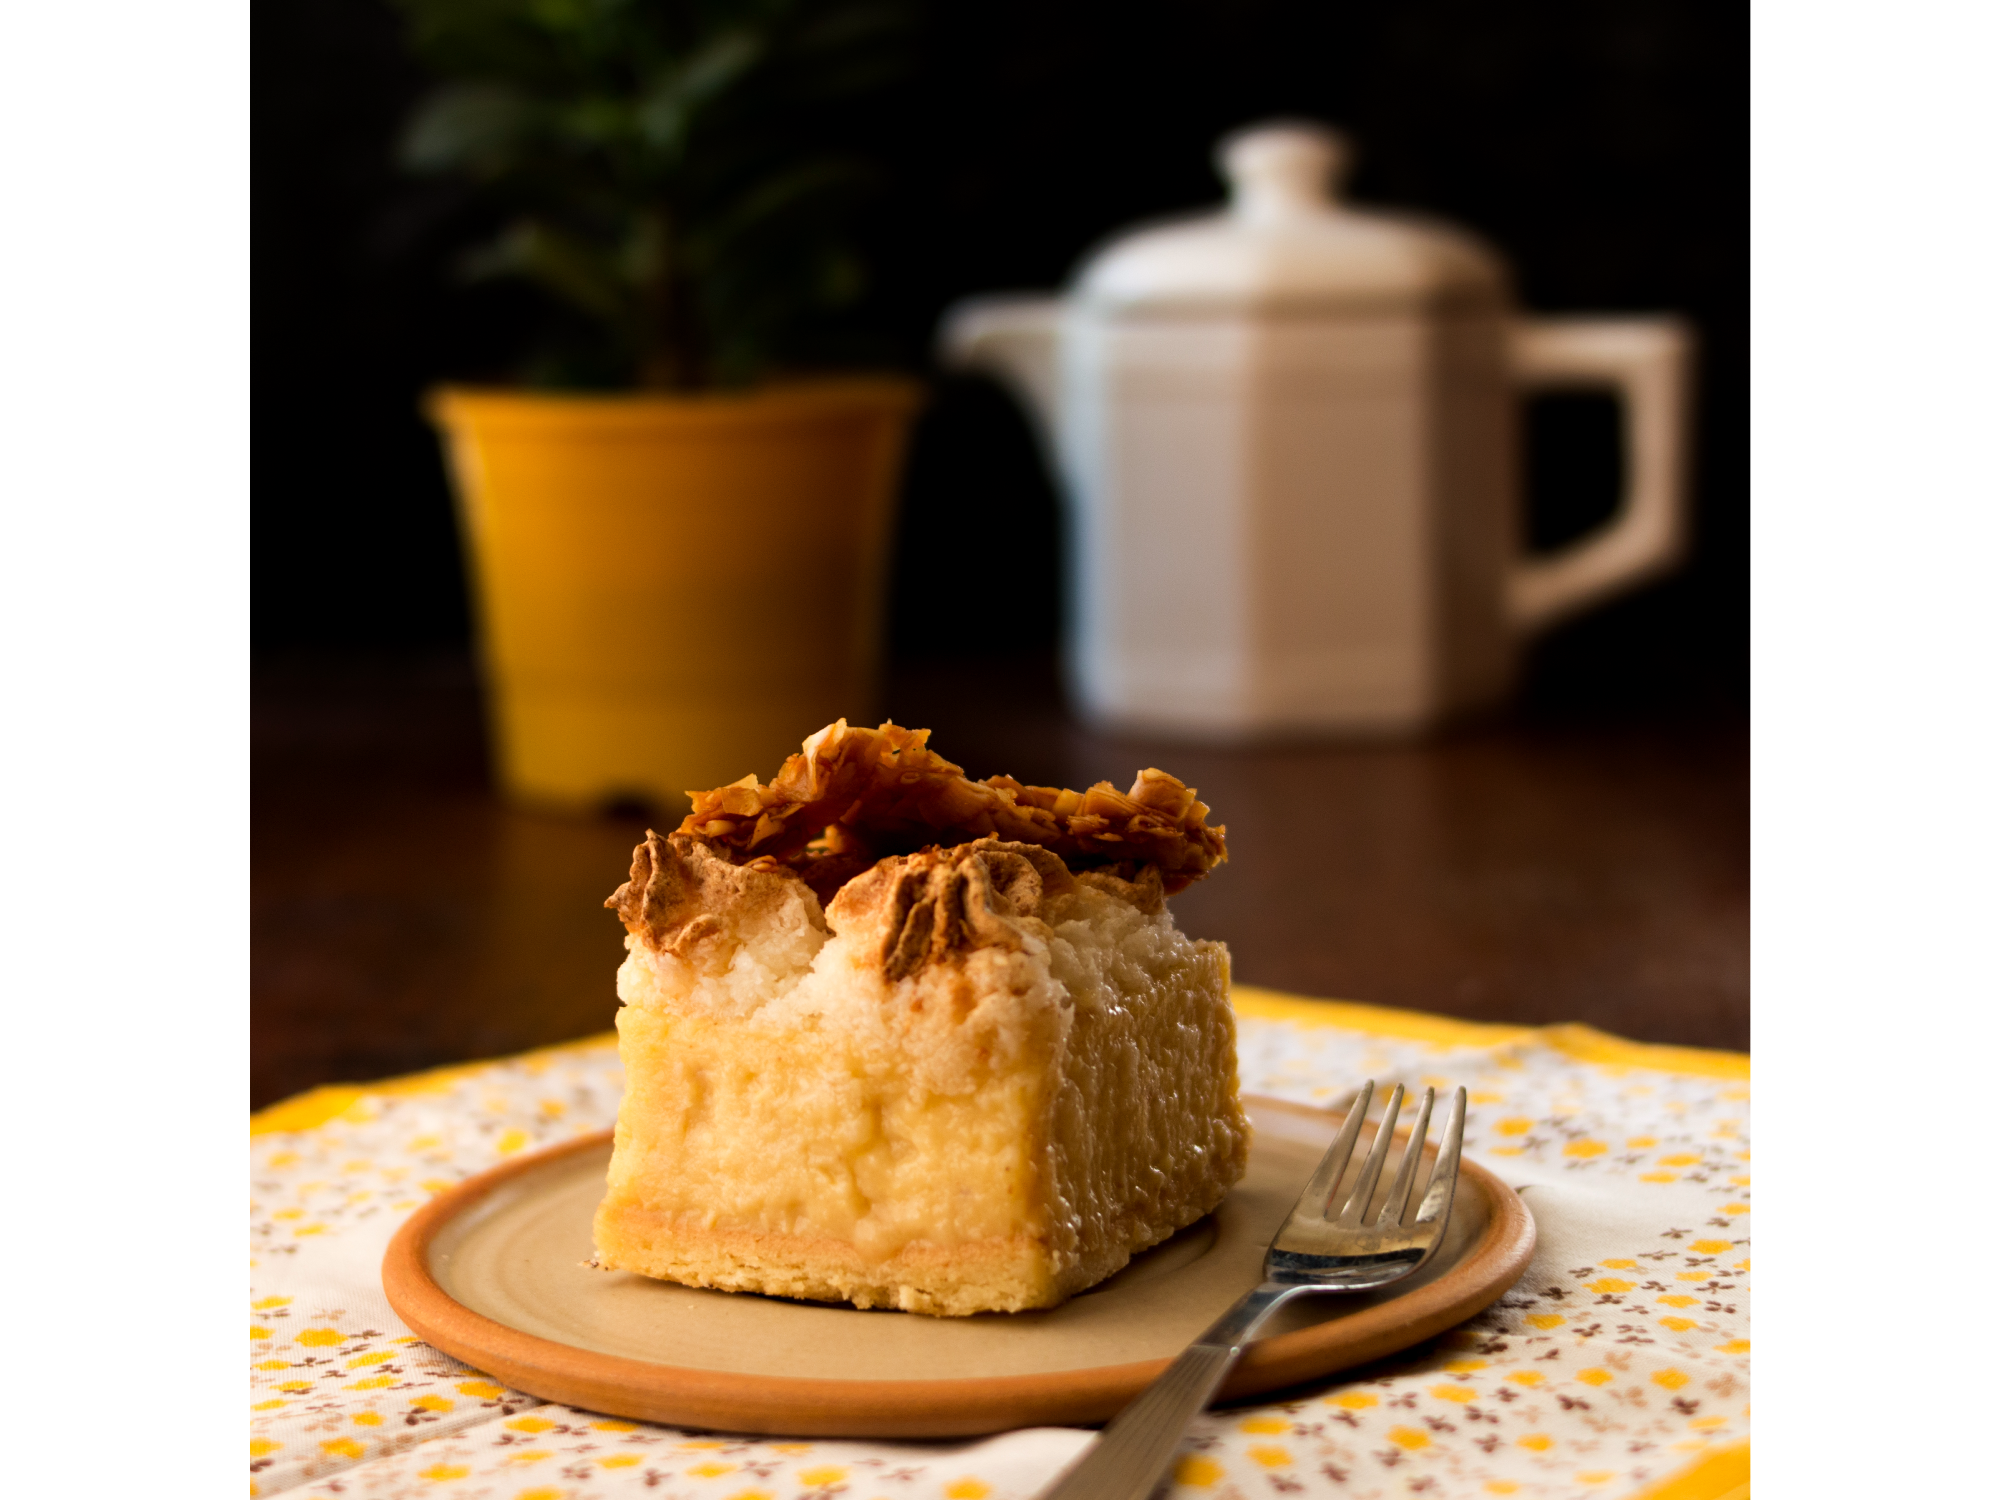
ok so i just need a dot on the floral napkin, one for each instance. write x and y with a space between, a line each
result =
1618 1365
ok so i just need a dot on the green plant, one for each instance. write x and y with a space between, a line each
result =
679 172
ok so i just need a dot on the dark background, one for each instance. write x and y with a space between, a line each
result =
1601 148
1583 857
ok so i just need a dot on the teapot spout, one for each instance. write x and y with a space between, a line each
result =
1013 338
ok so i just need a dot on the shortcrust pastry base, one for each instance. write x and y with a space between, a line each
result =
1009 1274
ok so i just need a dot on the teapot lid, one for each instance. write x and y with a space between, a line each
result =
1285 240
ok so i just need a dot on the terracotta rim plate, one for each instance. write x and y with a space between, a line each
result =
493 1273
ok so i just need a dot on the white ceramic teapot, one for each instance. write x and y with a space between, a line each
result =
1287 432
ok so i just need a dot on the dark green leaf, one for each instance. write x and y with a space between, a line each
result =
474 127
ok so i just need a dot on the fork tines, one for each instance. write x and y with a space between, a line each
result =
1436 1200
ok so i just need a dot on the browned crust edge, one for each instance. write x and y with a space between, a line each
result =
938 1274
916 1408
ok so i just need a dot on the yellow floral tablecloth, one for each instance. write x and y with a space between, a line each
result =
1618 1366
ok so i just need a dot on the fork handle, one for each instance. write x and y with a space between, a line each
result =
1131 1458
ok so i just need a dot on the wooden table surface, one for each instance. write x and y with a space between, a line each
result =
1583 867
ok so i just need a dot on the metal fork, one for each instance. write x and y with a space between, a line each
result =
1317 1250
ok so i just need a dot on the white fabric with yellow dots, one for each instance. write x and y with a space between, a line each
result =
1618 1366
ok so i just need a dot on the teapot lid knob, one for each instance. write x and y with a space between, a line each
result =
1287 242
1282 169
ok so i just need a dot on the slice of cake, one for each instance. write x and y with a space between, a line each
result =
903 1039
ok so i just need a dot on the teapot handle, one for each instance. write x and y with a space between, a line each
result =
1646 361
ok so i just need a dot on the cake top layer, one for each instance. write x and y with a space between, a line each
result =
854 796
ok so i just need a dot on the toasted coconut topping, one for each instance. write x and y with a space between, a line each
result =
854 796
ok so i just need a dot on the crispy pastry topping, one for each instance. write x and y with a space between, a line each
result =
854 796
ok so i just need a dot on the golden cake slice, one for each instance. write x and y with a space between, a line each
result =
903 1039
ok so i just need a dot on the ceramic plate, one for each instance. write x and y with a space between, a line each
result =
494 1272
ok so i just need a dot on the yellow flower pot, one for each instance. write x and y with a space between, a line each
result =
672 591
